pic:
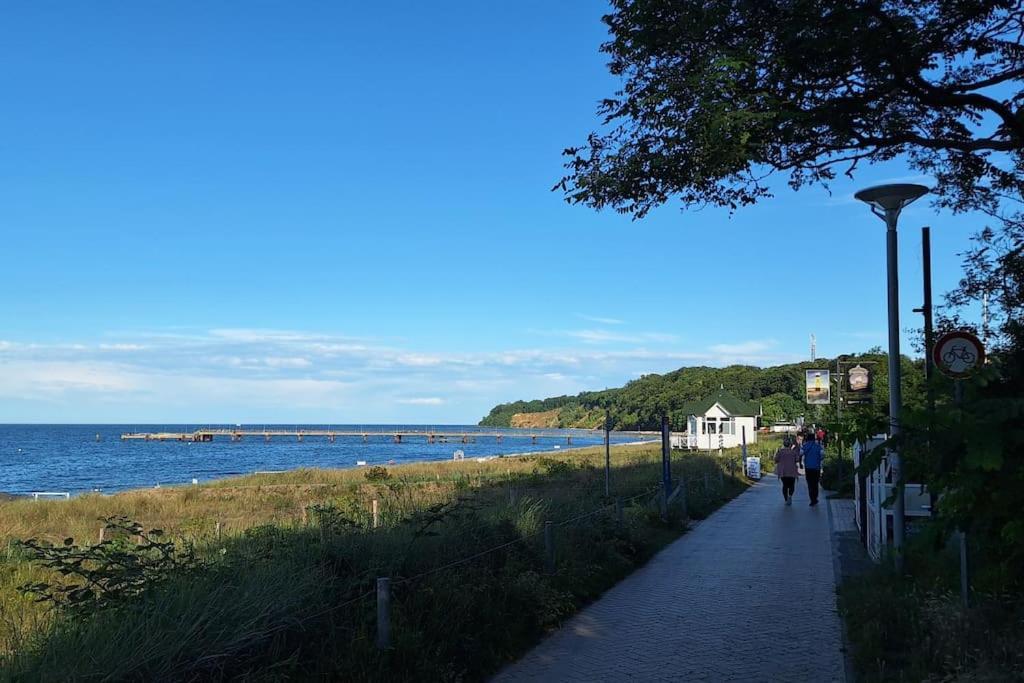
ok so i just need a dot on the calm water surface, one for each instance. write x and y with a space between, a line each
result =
69 458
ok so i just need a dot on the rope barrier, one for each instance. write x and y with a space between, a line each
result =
482 553
465 560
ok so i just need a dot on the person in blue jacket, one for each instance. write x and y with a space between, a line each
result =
812 455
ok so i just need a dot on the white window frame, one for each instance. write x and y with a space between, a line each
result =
710 425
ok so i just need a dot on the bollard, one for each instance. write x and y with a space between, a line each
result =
383 613
549 548
376 514
618 510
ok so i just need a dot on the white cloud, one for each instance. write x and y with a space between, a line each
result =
418 360
30 378
273 375
607 336
600 320
262 335
293 362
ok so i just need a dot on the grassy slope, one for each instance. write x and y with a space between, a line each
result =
281 593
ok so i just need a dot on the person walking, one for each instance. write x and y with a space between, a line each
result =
812 455
785 467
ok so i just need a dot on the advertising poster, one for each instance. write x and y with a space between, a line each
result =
819 390
858 384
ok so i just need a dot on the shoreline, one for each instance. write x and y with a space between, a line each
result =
13 497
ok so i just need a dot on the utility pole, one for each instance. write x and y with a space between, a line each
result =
929 332
926 309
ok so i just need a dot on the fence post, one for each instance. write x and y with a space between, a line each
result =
964 580
216 529
103 530
511 494
607 453
376 513
618 510
666 458
383 613
549 548
683 491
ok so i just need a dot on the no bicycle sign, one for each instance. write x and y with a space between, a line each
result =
958 354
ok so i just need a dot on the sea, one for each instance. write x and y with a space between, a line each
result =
82 458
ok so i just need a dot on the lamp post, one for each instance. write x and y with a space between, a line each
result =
886 202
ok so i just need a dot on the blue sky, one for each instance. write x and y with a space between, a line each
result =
341 212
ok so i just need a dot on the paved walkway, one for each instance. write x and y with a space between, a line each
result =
748 595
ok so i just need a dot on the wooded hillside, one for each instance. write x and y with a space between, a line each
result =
779 390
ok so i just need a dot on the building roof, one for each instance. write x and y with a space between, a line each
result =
732 405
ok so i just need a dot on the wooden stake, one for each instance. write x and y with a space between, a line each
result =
383 613
549 548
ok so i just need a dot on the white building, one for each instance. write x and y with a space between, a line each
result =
720 421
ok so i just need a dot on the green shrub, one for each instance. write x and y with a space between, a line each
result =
377 473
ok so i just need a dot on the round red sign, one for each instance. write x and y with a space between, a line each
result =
958 354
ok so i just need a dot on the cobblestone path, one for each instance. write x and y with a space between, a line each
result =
747 595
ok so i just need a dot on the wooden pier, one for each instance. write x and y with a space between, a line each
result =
205 435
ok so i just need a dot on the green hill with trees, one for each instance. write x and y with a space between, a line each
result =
778 390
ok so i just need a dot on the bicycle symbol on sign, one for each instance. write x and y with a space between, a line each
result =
961 353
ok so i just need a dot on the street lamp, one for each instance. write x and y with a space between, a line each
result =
886 202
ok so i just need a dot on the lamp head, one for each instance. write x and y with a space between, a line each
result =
892 197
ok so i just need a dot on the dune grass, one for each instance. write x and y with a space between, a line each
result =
285 588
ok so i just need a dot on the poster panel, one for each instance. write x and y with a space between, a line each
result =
819 389
859 384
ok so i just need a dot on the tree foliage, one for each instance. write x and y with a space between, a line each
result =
110 573
779 390
718 95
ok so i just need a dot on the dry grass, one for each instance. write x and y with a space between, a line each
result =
240 503
501 496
